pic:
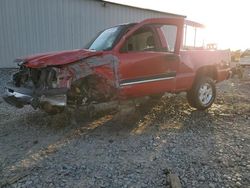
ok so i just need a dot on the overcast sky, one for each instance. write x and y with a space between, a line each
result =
228 22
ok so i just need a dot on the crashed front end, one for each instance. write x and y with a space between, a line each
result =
38 87
51 86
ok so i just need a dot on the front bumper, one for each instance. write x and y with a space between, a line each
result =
19 97
16 99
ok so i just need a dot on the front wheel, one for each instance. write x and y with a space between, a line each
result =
202 94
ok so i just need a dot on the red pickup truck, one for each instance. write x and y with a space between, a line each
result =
122 62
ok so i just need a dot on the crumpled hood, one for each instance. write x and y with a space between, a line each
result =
57 58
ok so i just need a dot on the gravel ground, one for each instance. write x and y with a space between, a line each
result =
205 149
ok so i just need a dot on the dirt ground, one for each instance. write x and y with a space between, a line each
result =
205 149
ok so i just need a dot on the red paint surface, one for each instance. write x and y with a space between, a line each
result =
58 58
134 65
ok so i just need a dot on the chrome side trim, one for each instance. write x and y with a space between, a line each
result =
145 81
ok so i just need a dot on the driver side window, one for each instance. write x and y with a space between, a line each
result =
142 40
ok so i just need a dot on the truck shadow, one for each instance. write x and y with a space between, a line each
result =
53 133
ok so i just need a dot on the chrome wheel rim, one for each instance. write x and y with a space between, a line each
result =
205 94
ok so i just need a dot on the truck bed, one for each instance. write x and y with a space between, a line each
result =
198 58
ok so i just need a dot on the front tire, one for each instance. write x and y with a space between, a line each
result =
202 94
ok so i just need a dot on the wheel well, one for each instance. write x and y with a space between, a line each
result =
208 71
95 88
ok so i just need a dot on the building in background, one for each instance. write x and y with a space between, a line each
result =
37 26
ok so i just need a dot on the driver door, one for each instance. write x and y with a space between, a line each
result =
149 60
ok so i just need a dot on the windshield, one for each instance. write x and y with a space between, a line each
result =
106 39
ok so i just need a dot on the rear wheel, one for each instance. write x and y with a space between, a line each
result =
202 94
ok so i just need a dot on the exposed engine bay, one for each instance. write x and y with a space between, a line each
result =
37 78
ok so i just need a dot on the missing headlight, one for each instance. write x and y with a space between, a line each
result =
52 78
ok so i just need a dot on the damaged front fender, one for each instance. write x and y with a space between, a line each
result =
91 80
103 66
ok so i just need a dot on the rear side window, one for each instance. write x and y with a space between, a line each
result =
168 34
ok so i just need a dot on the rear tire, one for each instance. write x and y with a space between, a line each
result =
202 94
